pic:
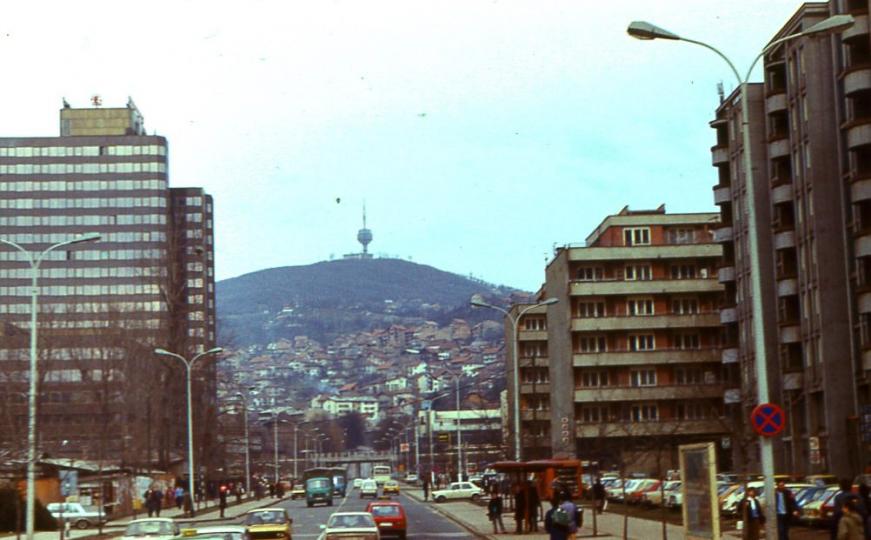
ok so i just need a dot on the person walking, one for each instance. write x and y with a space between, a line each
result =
494 511
222 499
179 497
148 496
188 504
555 531
786 509
533 507
850 525
752 514
845 491
519 507
599 496
156 501
426 487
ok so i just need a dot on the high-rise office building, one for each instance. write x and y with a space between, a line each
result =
104 306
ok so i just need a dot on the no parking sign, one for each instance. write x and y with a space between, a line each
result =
768 419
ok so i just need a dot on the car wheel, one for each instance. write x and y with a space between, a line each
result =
309 504
475 497
330 502
441 498
82 524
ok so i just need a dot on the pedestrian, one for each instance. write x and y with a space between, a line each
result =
556 531
222 499
519 507
752 514
279 490
845 490
494 511
156 501
271 489
426 488
188 504
599 495
533 506
850 525
179 497
786 508
239 491
148 496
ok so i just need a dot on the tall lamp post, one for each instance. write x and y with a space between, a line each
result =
837 23
241 396
189 365
35 259
515 368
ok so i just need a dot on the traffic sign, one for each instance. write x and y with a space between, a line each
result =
768 419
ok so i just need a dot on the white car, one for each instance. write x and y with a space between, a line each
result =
357 483
227 532
369 488
77 514
151 528
350 525
411 478
458 490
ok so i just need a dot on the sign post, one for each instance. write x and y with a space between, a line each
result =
701 510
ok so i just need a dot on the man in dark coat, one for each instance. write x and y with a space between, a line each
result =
533 504
752 514
786 509
519 507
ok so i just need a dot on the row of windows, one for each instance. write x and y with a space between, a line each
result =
65 272
71 203
641 412
84 290
81 254
120 237
78 168
63 353
150 324
642 272
83 185
76 151
647 377
86 307
637 306
637 342
85 220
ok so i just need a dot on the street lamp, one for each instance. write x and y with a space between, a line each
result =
189 365
35 260
241 396
837 23
275 422
476 301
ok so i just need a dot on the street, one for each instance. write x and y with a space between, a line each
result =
423 522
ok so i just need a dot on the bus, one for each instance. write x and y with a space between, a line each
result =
381 474
546 474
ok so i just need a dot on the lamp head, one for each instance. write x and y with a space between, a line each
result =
646 30
162 351
549 301
87 237
478 301
832 25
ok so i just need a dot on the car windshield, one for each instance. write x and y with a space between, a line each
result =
260 518
384 510
318 483
349 521
144 528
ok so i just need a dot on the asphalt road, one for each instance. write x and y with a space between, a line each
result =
423 521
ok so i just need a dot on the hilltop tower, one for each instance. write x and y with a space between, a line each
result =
364 236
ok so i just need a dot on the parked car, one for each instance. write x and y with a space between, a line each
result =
458 490
813 511
297 491
369 488
643 486
389 517
77 514
350 525
151 528
656 497
221 532
268 523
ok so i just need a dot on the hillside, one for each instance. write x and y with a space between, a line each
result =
325 299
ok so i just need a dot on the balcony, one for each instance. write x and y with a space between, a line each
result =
793 381
723 234
778 148
860 190
537 388
787 287
862 244
782 194
532 335
858 135
784 240
790 333
857 80
858 30
535 414
776 102
645 429
534 361
719 155
664 251
647 393
732 396
729 355
728 315
864 302
722 195
726 274
642 358
646 322
653 286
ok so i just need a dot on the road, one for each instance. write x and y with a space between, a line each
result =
423 521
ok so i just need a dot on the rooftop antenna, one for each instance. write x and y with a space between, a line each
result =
720 92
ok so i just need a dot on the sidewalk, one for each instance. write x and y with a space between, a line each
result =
609 526
208 513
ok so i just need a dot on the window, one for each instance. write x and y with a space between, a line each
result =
590 273
640 272
591 309
594 414
681 236
639 306
534 323
691 411
594 378
642 377
684 306
688 375
683 271
636 236
687 341
641 342
592 344
644 413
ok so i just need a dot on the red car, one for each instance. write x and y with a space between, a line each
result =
390 518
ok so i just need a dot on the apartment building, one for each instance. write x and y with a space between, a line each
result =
104 306
810 150
634 342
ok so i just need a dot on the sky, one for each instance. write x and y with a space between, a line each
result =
478 134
